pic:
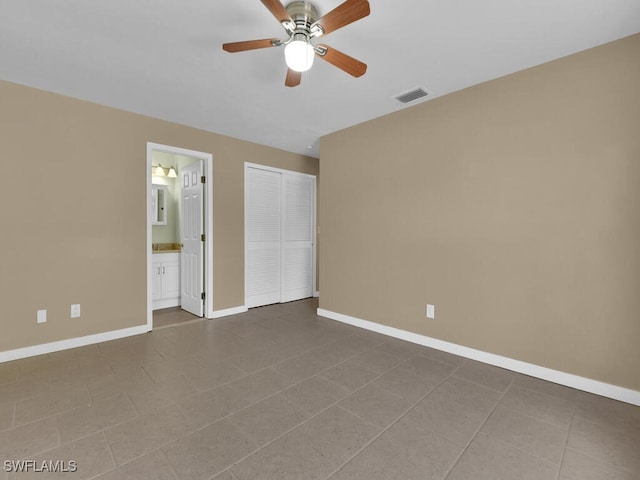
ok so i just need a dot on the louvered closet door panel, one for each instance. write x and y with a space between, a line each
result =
298 237
263 222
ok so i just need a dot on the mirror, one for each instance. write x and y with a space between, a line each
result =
159 204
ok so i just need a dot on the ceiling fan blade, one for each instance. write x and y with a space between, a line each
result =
344 14
343 61
249 45
277 10
293 78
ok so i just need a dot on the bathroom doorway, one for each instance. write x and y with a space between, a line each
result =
179 235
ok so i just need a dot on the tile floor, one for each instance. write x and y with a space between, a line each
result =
280 393
166 317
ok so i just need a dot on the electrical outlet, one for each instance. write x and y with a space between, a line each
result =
75 310
431 311
41 316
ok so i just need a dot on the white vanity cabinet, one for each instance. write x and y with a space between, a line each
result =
166 280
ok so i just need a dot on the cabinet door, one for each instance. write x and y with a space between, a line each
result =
156 281
171 279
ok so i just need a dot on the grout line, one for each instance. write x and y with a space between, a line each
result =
173 469
473 381
38 419
368 422
137 410
538 419
545 394
113 457
41 452
55 419
464 450
622 468
13 416
412 406
292 385
529 454
100 430
311 416
55 413
225 417
566 443
286 359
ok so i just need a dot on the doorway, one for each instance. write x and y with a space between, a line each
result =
185 179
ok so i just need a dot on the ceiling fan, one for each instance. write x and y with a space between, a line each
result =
302 23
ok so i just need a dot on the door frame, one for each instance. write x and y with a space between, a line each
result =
314 234
207 159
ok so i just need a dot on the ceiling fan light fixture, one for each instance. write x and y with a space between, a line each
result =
299 53
302 22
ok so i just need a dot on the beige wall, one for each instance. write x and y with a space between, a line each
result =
73 213
513 206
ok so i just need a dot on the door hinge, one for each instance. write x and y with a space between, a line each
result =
203 296
203 237
203 179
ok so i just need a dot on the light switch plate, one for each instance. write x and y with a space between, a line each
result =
41 316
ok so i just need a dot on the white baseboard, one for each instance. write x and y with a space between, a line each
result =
229 311
67 344
581 383
25 352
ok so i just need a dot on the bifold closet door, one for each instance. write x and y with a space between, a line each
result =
297 237
263 210
280 234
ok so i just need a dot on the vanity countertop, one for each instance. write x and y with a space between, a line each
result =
165 248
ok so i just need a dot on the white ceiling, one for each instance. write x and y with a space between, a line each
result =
163 58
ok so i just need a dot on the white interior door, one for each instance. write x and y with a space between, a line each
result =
279 236
192 239
298 235
263 211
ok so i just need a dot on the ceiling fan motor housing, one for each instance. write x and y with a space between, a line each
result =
303 14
